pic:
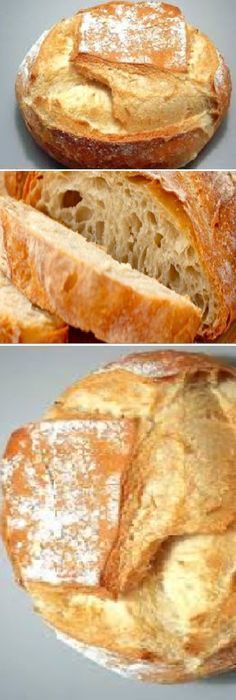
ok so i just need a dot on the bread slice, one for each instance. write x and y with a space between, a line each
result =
21 322
178 228
63 273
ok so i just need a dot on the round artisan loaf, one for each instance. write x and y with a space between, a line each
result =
124 533
124 85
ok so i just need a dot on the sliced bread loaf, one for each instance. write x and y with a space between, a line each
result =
177 227
62 272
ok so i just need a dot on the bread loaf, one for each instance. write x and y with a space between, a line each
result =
60 271
125 535
123 85
179 228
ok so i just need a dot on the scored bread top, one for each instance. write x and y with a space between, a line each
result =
181 480
125 70
176 477
152 33
177 620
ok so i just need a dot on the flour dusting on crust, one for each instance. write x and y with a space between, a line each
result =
63 484
107 659
24 69
150 33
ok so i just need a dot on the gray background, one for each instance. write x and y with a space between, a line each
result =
33 664
22 23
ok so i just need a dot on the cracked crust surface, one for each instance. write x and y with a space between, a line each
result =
177 621
112 103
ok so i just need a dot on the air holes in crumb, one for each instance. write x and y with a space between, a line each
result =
135 223
70 282
158 239
173 275
99 230
100 183
151 218
83 214
81 228
70 199
199 301
192 272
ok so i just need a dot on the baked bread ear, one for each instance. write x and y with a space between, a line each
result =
62 272
179 228
61 524
123 85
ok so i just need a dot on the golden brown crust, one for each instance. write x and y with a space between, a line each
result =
89 290
103 448
14 181
12 332
76 140
170 151
209 200
163 40
179 623
204 206
20 322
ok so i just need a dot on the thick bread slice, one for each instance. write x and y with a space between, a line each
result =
179 228
21 322
61 272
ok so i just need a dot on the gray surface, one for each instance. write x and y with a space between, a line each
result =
22 24
33 664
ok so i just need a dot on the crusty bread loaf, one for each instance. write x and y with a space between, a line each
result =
179 228
126 85
21 322
139 454
60 271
